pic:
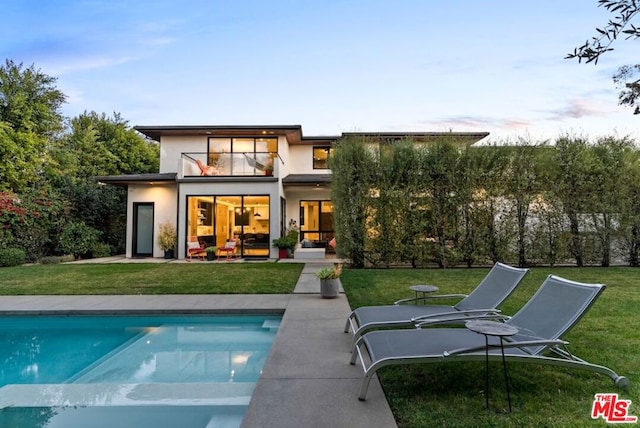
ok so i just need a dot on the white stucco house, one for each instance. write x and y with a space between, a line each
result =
247 183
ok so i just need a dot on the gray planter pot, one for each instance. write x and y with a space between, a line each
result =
329 288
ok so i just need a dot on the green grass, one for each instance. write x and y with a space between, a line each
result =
451 395
150 278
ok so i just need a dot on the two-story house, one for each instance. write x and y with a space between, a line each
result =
248 183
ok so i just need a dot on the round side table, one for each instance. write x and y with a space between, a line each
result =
497 329
424 289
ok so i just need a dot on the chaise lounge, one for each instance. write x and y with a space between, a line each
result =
482 302
555 308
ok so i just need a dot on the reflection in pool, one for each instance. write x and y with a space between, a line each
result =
56 370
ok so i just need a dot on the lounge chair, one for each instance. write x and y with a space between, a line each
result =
481 302
554 309
229 250
195 248
207 169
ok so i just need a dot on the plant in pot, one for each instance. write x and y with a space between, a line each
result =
268 168
211 252
284 245
329 281
167 239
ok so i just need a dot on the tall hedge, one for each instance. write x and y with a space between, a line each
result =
444 203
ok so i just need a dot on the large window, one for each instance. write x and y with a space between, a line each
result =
245 219
321 157
242 156
316 222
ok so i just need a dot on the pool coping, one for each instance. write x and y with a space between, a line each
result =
307 379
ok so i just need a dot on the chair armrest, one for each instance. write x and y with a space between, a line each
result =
435 321
458 314
432 296
525 343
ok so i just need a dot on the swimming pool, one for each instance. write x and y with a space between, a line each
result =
173 370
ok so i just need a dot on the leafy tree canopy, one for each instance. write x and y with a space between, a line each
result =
100 145
30 115
29 100
628 76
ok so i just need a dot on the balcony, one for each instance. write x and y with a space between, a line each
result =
254 164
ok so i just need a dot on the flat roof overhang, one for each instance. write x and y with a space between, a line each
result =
293 133
307 180
125 180
463 138
294 136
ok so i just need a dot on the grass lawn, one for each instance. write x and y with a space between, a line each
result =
151 278
452 395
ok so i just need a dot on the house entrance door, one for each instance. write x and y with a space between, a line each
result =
142 229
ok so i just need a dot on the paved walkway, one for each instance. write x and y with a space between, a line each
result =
307 380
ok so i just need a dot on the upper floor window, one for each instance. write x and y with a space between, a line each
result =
243 145
242 156
321 157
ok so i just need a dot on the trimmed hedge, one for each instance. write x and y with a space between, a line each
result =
12 257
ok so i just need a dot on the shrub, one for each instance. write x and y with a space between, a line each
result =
12 257
167 238
78 239
100 249
51 260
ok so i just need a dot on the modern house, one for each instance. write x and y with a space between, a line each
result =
248 183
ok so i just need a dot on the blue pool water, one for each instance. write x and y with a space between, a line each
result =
142 371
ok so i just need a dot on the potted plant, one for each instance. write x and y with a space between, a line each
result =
268 168
211 252
284 245
167 239
330 281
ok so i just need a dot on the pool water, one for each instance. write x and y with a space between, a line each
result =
142 371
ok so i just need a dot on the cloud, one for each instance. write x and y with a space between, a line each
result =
84 63
576 109
475 124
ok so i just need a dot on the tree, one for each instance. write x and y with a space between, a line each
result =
627 77
30 117
521 188
29 100
101 145
573 177
352 165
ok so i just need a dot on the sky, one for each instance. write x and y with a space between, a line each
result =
331 66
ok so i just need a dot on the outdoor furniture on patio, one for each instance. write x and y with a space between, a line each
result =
554 309
229 250
482 302
207 169
195 248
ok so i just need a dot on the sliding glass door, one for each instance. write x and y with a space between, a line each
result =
316 222
214 220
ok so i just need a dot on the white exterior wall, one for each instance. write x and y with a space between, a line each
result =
171 149
165 210
302 161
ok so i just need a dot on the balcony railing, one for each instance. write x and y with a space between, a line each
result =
196 164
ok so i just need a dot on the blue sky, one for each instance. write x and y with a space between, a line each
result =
331 66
